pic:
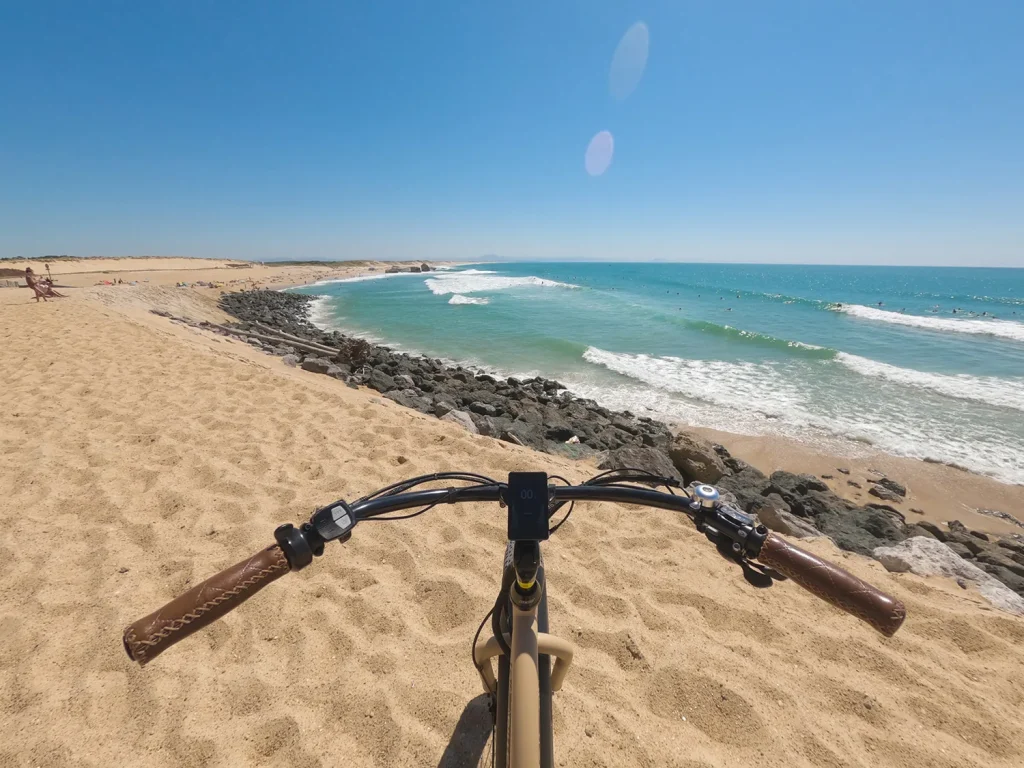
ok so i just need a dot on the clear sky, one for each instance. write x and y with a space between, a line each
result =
866 131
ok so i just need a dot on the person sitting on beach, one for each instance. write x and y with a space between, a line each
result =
42 288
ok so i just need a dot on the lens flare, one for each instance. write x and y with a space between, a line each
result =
599 153
629 61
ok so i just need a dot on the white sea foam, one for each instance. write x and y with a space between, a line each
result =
1006 393
320 313
750 386
1006 329
803 345
322 317
755 398
458 298
475 281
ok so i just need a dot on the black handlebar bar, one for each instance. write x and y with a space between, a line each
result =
649 498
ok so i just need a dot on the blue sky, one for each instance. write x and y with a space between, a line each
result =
846 132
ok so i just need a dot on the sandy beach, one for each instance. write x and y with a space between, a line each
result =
138 456
169 271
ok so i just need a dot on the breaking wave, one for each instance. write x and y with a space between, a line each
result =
1005 329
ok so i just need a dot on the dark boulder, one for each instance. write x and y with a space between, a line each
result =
484 409
491 426
661 441
816 503
961 550
806 495
524 434
482 396
793 484
339 371
785 523
442 406
890 510
695 458
641 457
994 557
380 381
748 483
316 364
891 485
965 540
410 398
918 530
882 492
1012 545
860 529
1009 578
744 476
935 531
626 425
559 434
530 414
463 419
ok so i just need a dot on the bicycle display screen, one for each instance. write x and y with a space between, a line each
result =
527 500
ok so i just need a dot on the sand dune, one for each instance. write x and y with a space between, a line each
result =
138 456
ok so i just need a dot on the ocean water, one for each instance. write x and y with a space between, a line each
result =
847 358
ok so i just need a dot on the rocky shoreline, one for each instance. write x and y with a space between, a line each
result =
542 414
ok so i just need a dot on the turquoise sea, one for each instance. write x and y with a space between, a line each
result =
842 357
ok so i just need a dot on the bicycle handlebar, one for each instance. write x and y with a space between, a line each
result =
833 584
148 637
642 496
208 601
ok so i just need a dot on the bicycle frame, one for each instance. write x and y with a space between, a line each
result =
531 648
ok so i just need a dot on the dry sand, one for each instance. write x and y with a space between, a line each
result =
138 456
161 271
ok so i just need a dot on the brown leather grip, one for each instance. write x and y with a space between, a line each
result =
203 604
833 585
